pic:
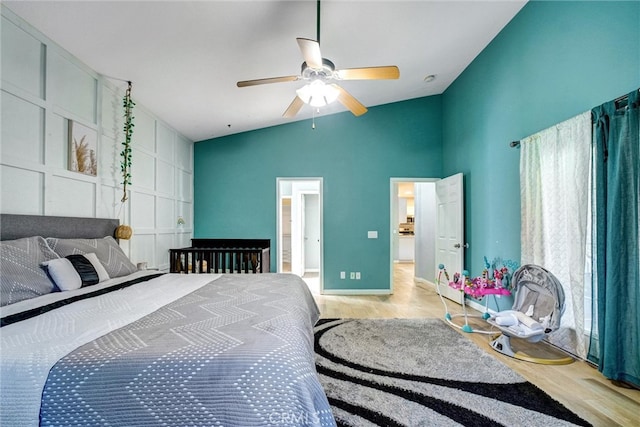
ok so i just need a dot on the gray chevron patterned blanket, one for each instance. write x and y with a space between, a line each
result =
235 351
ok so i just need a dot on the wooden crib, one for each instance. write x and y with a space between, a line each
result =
222 256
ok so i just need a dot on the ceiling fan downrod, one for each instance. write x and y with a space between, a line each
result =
318 22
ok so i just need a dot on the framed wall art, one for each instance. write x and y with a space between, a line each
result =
83 149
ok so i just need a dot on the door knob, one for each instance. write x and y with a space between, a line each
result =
458 245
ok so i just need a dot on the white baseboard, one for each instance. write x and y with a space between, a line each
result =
475 305
356 292
424 283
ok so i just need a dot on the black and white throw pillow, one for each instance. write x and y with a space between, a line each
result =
71 272
111 256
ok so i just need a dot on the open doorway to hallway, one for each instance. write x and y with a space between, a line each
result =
437 222
404 273
300 229
413 228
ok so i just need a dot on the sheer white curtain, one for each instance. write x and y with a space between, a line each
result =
554 186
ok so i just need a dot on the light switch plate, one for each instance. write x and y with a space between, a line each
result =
372 234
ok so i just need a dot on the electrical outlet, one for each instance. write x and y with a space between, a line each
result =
352 275
343 275
357 275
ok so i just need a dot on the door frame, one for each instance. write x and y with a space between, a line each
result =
279 181
392 214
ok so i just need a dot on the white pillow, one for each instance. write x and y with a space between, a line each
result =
63 274
102 273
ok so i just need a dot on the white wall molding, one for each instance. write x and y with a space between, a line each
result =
43 88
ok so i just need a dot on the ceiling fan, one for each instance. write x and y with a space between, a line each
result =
320 74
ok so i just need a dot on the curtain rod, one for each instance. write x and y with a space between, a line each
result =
622 101
623 97
516 144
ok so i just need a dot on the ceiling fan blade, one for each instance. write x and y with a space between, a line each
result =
310 52
369 73
346 99
293 108
256 82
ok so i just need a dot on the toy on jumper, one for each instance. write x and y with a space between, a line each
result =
478 288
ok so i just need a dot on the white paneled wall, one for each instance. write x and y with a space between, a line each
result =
43 89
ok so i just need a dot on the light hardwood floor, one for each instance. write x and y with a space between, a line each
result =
578 386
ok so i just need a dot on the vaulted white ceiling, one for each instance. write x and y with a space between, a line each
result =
185 57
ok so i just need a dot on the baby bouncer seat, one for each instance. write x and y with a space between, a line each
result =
537 308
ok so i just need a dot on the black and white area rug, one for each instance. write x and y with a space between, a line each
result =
420 372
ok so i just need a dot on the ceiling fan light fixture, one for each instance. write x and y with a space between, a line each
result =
319 74
318 93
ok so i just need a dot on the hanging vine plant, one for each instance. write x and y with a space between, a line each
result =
125 154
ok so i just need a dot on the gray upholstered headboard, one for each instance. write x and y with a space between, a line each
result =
19 226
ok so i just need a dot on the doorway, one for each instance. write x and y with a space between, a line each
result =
423 224
299 229
412 228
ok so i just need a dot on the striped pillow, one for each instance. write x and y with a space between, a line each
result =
21 276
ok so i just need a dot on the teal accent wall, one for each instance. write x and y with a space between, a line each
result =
235 181
553 61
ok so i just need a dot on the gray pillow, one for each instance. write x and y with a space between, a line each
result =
21 276
107 250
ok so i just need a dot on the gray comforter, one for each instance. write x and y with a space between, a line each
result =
236 352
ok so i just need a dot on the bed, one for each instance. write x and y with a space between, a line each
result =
130 347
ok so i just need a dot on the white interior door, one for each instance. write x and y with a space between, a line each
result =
312 233
297 233
450 231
